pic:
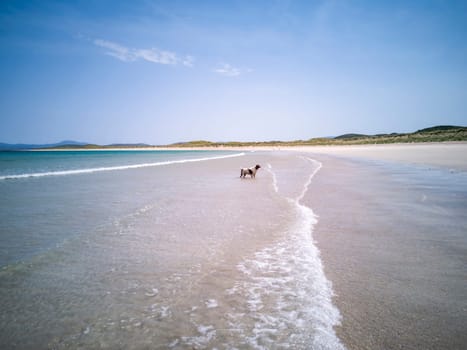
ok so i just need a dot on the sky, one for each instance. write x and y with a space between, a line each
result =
160 72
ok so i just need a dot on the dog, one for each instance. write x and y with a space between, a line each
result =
249 171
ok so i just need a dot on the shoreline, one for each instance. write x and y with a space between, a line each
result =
451 154
390 237
266 148
392 241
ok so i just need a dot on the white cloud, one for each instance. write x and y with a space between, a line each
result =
157 56
115 50
152 55
227 70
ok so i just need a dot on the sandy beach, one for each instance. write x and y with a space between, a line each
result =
393 242
360 247
452 155
392 238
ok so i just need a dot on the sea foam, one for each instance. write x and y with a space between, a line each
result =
288 278
112 168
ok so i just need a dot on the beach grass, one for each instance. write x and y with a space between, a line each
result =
433 134
442 133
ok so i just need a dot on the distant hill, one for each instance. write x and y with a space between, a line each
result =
349 136
67 145
440 133
196 143
24 146
440 128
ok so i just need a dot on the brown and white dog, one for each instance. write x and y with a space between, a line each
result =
249 171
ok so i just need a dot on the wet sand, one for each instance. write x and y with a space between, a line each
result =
392 237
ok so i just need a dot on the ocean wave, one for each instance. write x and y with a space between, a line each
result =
112 168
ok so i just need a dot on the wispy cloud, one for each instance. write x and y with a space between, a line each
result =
115 50
152 55
227 70
188 61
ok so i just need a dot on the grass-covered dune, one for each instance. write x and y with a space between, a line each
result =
440 133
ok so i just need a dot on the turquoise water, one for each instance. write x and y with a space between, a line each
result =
48 197
15 165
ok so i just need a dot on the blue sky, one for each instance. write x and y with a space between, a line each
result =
165 71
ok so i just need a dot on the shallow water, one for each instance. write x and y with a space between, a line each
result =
184 255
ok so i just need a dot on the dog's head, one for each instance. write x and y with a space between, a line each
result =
257 166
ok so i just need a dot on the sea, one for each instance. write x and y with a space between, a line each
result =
160 250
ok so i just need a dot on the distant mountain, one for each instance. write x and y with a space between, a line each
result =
67 144
24 146
350 136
